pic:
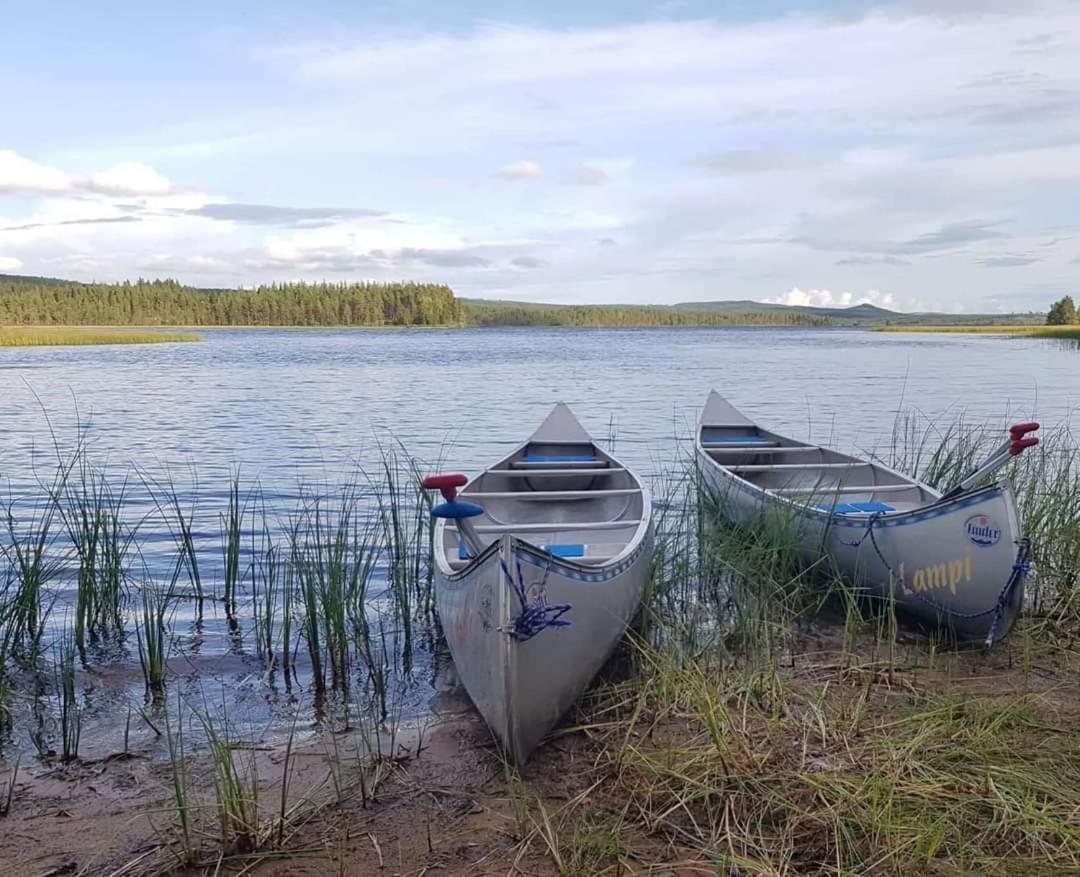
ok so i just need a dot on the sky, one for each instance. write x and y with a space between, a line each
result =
917 154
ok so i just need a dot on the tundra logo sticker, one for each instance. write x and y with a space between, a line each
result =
983 530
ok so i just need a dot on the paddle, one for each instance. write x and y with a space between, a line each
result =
455 509
1013 446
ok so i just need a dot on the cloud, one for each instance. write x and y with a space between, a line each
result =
1007 261
588 175
739 161
92 221
947 237
825 298
528 262
21 175
873 260
447 258
520 170
10 263
269 214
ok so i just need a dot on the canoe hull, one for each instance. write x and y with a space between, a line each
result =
522 687
949 565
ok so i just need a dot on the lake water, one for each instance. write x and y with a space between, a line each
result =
309 406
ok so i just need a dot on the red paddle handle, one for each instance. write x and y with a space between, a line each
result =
446 484
1019 430
1018 446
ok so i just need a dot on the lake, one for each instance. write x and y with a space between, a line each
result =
308 407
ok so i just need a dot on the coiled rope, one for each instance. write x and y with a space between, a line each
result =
535 615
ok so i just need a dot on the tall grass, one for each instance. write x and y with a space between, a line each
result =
236 786
334 554
152 634
232 526
39 336
30 551
70 710
404 514
180 522
92 509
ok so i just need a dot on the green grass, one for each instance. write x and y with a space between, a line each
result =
1064 332
47 336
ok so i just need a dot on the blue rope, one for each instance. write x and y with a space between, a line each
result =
537 615
1020 571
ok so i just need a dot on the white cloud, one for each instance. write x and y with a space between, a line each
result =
520 170
21 175
10 263
826 298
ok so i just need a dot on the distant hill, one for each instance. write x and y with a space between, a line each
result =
867 314
47 301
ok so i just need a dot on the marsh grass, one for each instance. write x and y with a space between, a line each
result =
181 788
7 790
70 709
92 511
152 632
404 514
30 550
180 522
1034 331
232 531
40 336
236 785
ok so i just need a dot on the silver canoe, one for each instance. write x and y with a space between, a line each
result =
953 563
565 554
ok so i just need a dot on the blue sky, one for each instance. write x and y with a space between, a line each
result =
918 154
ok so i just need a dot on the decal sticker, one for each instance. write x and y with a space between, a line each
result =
983 530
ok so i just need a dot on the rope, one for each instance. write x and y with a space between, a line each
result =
1020 570
537 615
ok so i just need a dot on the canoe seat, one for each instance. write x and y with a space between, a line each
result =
547 461
557 527
739 441
858 508
560 458
551 495
557 550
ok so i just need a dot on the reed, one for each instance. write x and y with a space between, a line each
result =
41 336
1035 330
178 770
232 527
236 786
334 555
30 552
152 634
404 515
70 711
180 523
7 791
92 514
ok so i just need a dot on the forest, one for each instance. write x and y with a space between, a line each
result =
36 301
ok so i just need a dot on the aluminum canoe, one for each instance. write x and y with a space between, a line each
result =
955 564
566 553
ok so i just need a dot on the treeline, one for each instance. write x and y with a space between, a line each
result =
39 302
36 301
598 316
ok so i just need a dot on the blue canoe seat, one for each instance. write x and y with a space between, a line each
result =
858 508
557 550
560 458
737 440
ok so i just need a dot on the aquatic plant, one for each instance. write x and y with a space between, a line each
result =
29 551
151 631
43 336
7 791
70 711
236 786
180 523
91 509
